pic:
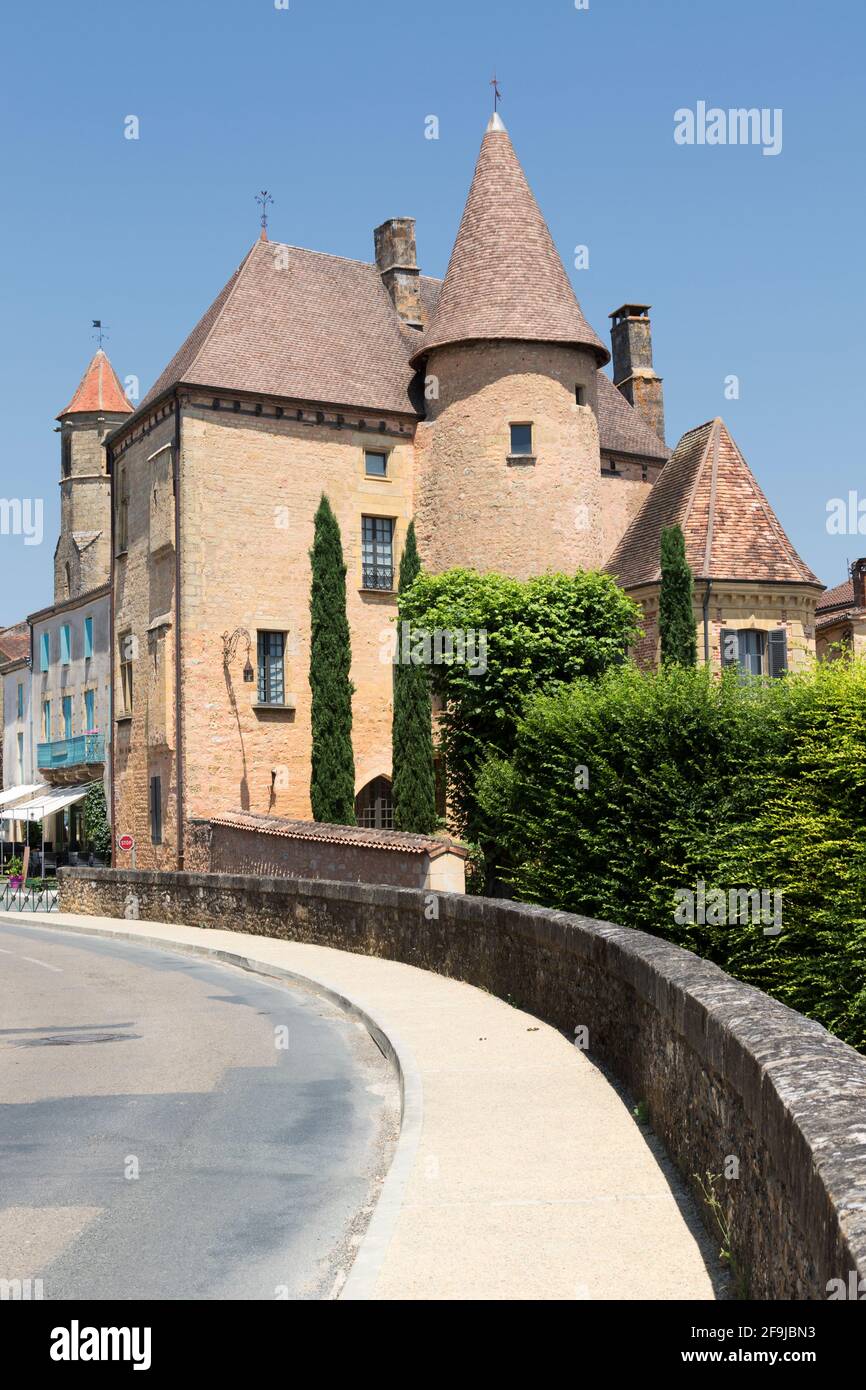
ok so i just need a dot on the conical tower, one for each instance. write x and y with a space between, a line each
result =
82 557
508 454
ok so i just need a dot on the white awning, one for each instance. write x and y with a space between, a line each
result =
10 794
52 800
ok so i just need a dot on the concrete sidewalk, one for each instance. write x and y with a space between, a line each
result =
520 1172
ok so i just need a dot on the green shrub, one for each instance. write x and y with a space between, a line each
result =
538 634
97 830
690 779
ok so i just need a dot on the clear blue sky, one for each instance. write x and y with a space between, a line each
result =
754 265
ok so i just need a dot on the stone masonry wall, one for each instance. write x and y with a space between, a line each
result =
724 1071
479 508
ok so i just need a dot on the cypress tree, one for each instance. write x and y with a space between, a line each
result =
677 628
414 787
332 783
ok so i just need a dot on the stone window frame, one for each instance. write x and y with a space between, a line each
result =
522 456
263 700
125 684
378 453
372 547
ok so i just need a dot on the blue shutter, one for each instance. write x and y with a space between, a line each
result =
45 661
88 637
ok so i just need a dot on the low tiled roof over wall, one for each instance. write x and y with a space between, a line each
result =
395 840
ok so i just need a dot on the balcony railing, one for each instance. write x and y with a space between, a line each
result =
71 752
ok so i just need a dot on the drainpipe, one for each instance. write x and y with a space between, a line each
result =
178 709
112 647
707 622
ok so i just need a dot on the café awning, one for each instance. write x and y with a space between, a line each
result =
47 803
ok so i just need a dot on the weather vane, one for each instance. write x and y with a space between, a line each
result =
264 199
497 95
100 333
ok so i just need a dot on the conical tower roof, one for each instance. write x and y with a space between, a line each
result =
506 279
730 529
99 391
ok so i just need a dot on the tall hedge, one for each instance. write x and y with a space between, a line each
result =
690 779
332 782
414 784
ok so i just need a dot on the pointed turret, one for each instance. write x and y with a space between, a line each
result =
754 596
82 559
511 392
99 391
731 530
506 279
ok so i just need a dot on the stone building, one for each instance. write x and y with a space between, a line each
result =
841 616
754 597
62 723
477 405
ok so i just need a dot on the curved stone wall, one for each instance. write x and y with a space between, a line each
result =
732 1081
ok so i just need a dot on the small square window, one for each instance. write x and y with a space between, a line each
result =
521 441
375 465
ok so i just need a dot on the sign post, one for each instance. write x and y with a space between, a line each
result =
127 843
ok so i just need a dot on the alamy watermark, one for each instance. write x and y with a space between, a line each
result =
417 646
714 907
22 516
711 125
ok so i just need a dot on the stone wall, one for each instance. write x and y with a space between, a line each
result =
327 852
476 505
725 1072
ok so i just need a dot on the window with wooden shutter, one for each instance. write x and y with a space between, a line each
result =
778 652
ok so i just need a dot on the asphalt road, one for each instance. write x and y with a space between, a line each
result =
158 1139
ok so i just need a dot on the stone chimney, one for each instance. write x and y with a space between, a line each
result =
858 579
633 371
397 259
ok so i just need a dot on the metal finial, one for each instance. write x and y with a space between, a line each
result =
497 95
264 200
100 335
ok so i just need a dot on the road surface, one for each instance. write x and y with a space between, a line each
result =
172 1128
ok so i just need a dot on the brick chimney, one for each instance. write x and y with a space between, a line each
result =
397 259
633 371
858 579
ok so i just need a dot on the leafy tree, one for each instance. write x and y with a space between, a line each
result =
414 786
332 785
517 637
676 607
97 831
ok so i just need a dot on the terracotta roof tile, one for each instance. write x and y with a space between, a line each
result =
505 279
303 325
99 391
621 428
15 642
433 845
731 531
840 597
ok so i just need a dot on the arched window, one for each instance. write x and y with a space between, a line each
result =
374 809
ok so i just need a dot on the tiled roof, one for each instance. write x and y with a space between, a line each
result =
432 845
505 279
840 597
303 325
98 391
730 529
621 428
15 642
